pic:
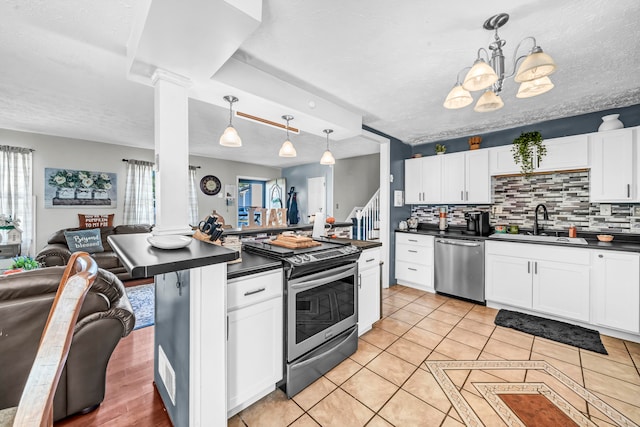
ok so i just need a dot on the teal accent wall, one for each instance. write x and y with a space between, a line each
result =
585 123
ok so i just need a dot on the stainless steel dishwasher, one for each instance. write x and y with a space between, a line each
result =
459 268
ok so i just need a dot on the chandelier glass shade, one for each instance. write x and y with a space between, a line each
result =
532 72
327 157
230 137
287 149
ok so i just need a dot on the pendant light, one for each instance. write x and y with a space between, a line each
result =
327 157
230 137
287 149
531 70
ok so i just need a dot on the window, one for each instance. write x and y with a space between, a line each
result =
251 194
16 190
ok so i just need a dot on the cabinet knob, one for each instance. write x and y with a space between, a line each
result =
600 256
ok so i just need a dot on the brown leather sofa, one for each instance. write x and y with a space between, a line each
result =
105 317
57 252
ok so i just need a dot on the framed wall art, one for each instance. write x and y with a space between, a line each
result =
67 188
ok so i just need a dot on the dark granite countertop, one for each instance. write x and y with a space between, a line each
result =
239 231
143 260
621 242
251 264
362 244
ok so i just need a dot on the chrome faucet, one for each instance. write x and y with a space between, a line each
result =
545 215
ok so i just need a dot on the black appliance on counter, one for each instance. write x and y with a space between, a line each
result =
321 308
477 223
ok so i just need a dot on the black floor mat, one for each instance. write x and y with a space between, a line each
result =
565 333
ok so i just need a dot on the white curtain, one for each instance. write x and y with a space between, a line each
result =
139 207
193 197
16 190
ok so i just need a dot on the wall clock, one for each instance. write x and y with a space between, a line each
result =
210 185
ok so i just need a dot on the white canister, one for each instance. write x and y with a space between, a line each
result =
610 122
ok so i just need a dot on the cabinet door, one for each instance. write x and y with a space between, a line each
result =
566 153
453 178
501 161
477 177
612 162
413 181
368 298
508 280
432 179
561 289
616 301
254 351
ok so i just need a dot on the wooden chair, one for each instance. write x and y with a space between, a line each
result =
36 403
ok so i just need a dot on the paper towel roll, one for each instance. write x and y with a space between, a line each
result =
318 225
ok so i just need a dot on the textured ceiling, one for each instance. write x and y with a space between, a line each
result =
64 69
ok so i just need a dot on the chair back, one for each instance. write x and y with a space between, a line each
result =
36 403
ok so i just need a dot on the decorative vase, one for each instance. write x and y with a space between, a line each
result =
474 142
610 122
100 194
65 193
84 193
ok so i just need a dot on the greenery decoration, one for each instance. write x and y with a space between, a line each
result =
25 263
441 148
524 149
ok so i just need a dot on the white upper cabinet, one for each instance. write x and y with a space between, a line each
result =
566 153
501 161
422 180
613 166
413 193
465 177
478 180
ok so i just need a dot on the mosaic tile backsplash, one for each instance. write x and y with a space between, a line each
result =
565 194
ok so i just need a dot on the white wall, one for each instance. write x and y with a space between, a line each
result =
356 179
68 153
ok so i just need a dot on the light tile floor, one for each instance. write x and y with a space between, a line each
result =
387 382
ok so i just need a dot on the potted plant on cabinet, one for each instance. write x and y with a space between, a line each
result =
524 149
440 149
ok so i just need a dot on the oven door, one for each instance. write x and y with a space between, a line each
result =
320 306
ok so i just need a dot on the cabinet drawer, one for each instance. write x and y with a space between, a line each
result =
414 239
245 291
571 255
369 259
414 254
414 273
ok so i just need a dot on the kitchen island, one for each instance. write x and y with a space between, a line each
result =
190 324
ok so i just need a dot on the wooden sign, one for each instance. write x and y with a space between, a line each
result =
269 218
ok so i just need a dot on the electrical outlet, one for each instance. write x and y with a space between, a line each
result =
605 209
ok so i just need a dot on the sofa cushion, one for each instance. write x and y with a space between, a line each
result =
132 228
84 240
107 260
58 236
95 221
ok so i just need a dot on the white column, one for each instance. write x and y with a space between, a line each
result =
171 106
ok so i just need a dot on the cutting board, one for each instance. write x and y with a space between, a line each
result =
294 242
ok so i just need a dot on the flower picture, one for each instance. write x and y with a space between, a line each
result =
70 188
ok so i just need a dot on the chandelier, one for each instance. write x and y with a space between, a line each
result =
489 75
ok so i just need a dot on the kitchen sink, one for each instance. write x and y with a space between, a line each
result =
540 238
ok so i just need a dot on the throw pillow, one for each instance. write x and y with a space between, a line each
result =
95 221
84 240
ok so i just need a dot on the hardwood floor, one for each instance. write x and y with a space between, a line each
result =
130 398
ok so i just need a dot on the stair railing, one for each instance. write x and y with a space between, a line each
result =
368 219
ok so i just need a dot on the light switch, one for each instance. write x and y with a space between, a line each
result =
605 209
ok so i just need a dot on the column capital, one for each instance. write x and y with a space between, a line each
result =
160 74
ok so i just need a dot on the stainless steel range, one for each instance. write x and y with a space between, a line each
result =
321 308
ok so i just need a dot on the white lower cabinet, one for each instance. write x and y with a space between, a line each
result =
508 280
616 290
546 279
255 338
414 260
368 289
